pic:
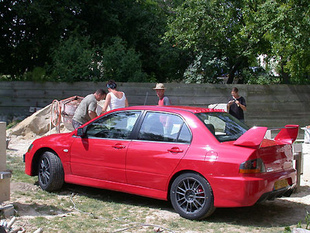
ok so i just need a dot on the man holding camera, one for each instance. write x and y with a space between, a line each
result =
236 105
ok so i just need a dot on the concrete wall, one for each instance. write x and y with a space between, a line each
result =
267 105
4 174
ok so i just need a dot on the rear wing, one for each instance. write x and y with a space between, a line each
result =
288 134
254 137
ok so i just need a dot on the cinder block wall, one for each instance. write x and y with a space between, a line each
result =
4 180
267 105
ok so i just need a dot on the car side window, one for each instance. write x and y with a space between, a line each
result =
222 125
117 125
164 127
185 135
152 128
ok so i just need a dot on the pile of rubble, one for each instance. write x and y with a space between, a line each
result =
36 125
7 227
54 118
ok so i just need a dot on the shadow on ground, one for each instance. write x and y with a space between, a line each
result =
35 209
278 213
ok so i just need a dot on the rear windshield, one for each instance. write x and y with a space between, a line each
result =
224 126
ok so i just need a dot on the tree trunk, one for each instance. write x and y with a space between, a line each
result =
284 75
232 72
231 77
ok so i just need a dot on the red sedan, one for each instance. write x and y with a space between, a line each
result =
197 158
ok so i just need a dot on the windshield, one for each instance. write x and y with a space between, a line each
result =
224 126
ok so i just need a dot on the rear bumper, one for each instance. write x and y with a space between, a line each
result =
284 192
243 191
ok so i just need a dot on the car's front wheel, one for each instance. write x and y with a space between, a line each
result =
192 197
50 172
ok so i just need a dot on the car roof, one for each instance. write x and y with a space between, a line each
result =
192 109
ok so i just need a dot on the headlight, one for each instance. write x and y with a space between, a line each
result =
252 166
29 148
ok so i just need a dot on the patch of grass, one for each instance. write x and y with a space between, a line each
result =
12 124
17 166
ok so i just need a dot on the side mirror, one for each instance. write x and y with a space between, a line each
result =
80 132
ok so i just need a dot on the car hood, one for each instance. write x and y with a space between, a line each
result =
53 139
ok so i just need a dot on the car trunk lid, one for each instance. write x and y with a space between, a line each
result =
276 153
277 157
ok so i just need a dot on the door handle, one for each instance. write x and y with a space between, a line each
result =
175 150
119 146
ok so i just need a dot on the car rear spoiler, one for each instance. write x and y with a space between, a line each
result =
254 136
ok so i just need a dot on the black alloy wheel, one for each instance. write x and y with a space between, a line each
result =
50 172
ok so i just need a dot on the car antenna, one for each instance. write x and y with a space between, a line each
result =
217 104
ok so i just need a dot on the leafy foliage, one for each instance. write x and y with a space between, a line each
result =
119 63
287 25
72 60
30 29
154 40
66 40
236 32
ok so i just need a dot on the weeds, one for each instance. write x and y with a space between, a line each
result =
12 124
300 224
307 219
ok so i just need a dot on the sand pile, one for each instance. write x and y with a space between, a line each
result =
40 123
36 125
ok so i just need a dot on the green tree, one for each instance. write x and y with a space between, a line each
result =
141 24
214 31
72 61
29 29
286 25
33 35
116 61
227 36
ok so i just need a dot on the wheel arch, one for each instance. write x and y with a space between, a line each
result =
178 174
36 159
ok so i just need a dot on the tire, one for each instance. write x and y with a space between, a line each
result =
192 197
50 172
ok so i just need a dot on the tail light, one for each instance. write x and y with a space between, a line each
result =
252 166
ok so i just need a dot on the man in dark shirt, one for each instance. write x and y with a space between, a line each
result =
236 105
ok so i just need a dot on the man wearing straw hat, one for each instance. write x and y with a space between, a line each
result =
160 92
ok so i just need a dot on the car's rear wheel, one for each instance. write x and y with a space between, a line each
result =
50 172
192 197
